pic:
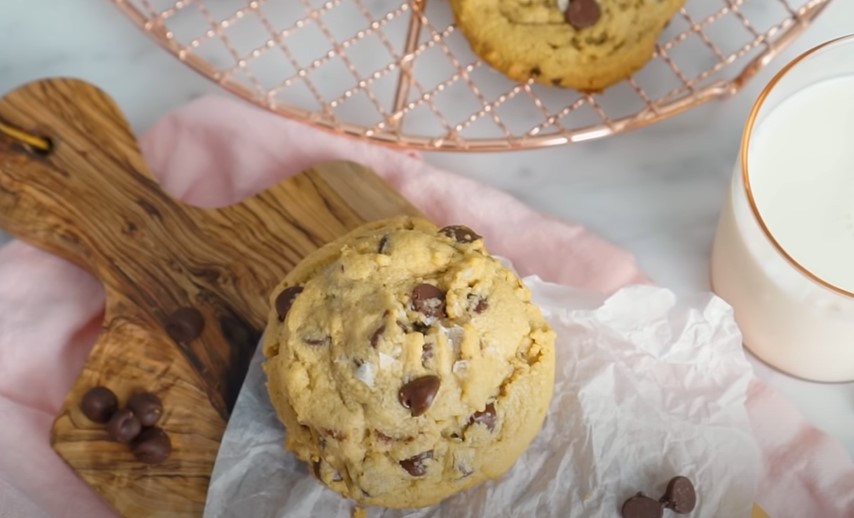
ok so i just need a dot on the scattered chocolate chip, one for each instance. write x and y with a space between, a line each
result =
536 72
487 417
99 404
418 394
146 407
642 506
318 342
124 426
152 446
375 338
428 300
461 233
185 325
679 495
583 13
285 300
383 246
426 353
415 465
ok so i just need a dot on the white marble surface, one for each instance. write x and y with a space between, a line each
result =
656 191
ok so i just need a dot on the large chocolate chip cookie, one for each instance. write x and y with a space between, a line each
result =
407 364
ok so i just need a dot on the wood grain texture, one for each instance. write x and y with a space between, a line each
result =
93 201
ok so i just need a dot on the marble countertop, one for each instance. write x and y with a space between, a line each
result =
655 191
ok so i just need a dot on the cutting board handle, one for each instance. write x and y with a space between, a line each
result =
92 200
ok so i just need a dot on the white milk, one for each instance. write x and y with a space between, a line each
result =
801 165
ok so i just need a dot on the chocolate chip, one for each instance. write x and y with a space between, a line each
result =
375 338
383 246
146 407
487 417
428 300
477 303
642 506
99 404
679 495
583 13
536 72
285 300
461 233
124 426
418 394
185 325
415 465
152 446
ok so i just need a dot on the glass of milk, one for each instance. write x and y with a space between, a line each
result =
783 255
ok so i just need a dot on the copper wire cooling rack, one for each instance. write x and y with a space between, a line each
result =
399 72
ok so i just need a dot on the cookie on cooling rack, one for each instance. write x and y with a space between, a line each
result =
583 44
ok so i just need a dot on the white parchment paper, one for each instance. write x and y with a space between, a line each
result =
648 386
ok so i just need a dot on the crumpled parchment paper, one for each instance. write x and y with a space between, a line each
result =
648 386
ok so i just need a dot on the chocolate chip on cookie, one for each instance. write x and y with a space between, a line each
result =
487 417
185 325
583 13
428 300
460 233
285 300
375 338
415 465
477 303
99 404
418 394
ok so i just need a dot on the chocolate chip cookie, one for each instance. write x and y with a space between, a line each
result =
406 363
583 44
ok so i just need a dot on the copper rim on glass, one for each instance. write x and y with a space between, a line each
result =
745 171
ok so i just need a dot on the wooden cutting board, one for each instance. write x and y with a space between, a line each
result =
92 200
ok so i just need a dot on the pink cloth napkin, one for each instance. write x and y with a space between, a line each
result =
218 151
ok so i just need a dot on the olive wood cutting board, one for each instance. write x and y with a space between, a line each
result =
91 200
